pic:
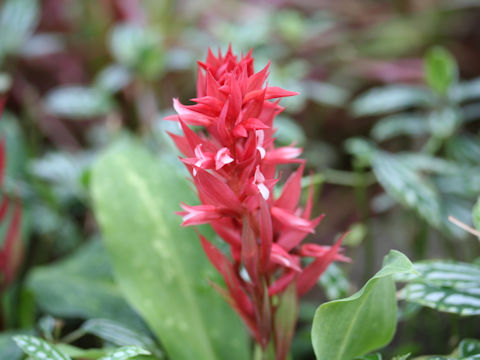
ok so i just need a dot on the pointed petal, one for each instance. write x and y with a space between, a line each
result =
309 276
291 191
289 220
216 192
279 256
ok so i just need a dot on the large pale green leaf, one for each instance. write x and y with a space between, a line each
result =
346 328
82 286
447 286
159 265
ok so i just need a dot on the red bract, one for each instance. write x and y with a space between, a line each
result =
10 213
233 162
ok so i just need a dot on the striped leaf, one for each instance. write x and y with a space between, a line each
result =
39 349
386 99
120 335
407 186
447 286
124 353
400 124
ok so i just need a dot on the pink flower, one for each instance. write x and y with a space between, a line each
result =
233 162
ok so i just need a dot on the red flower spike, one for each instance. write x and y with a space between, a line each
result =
233 162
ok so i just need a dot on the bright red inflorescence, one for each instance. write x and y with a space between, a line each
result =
233 162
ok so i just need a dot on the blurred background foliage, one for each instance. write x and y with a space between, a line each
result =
387 116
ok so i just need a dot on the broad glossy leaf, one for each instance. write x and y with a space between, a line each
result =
39 349
400 124
159 265
383 100
78 102
440 69
405 185
447 286
347 328
124 353
82 286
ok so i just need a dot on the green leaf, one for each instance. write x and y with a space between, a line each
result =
465 183
400 124
8 349
346 328
407 186
370 357
465 91
464 148
334 281
124 353
386 99
476 214
160 265
78 102
444 122
18 19
469 347
81 286
401 357
113 78
440 69
288 131
120 335
447 286
39 349
75 352
138 48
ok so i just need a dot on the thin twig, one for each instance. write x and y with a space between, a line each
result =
464 226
